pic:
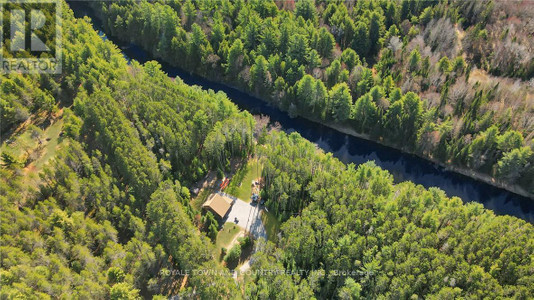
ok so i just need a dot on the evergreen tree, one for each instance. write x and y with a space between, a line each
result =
341 102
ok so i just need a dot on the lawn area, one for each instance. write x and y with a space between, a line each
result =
272 225
225 237
20 144
53 144
241 184
51 134
23 144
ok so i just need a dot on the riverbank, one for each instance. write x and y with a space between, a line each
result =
352 147
449 167
482 177
479 176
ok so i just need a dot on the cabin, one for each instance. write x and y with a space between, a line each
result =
219 205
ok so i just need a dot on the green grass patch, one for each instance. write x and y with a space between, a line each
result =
241 184
52 136
32 157
24 144
20 145
225 236
272 225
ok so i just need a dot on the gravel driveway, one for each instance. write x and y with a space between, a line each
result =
249 218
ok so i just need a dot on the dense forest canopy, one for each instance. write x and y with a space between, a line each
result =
106 212
405 240
110 212
448 80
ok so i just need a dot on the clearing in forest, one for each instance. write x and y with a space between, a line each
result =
241 183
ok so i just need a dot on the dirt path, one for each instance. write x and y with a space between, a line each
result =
234 241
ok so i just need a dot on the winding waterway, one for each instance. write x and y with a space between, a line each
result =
347 148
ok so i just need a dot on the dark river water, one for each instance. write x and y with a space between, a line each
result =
347 148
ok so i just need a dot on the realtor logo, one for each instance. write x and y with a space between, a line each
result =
30 36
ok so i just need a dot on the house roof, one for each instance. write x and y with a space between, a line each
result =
219 204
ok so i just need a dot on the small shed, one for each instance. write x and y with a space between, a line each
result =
218 204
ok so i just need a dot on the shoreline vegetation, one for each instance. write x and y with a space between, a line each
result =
449 167
480 176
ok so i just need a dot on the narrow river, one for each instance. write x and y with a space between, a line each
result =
347 148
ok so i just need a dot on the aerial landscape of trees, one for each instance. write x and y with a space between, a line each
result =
110 212
98 162
405 241
348 64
